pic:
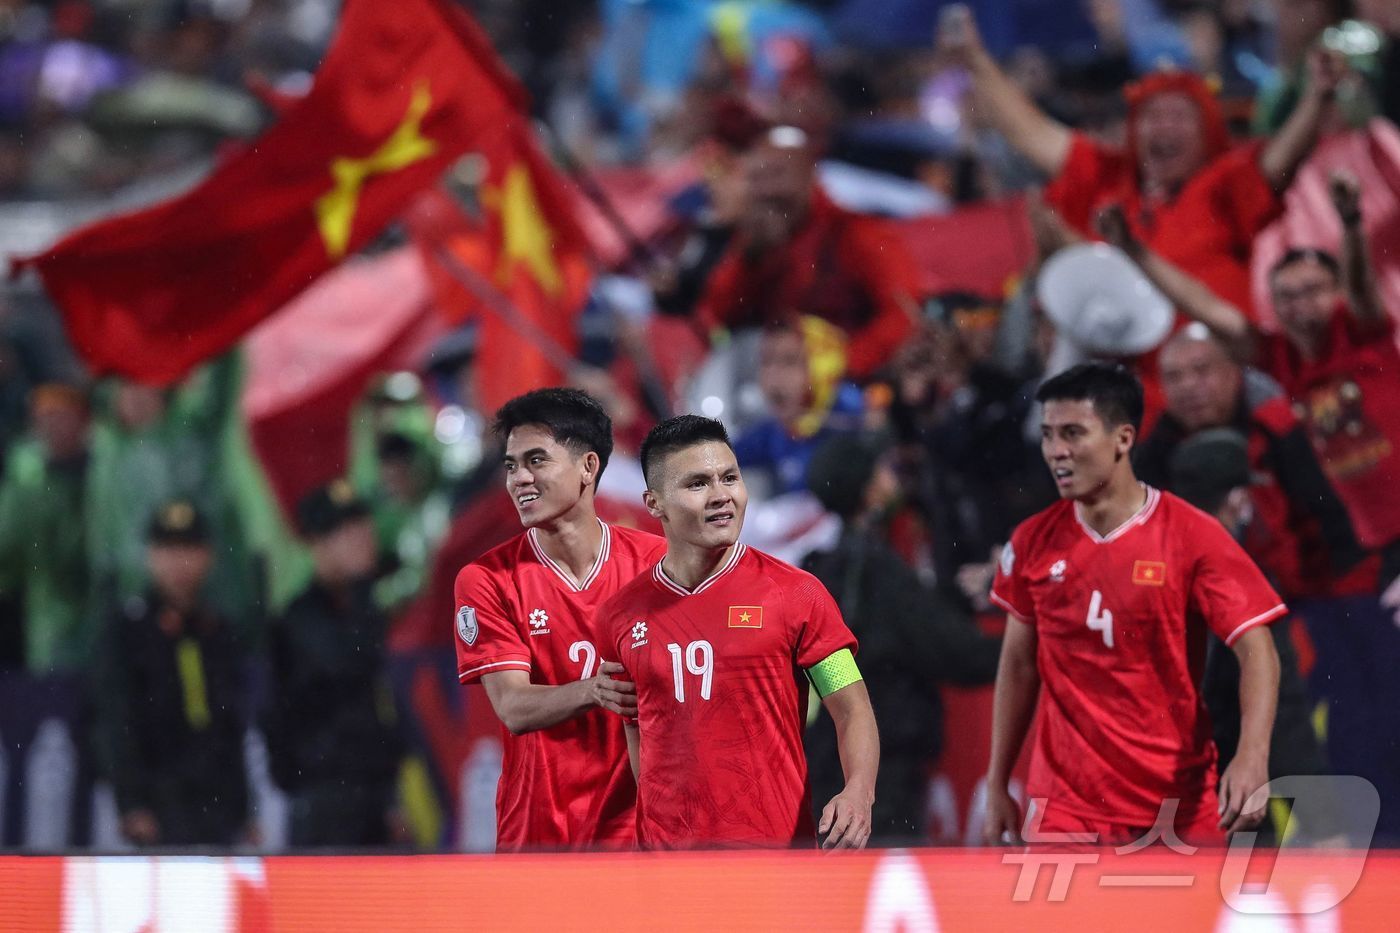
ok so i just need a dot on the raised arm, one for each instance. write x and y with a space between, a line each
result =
1294 141
1013 707
1189 294
526 707
1042 140
1358 275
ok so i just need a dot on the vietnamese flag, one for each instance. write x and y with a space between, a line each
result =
405 89
516 262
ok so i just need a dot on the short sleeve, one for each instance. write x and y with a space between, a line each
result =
1089 172
1010 589
821 632
1227 587
487 639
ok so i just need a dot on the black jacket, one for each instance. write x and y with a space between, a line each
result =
171 717
330 716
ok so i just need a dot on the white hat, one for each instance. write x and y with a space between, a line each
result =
1098 298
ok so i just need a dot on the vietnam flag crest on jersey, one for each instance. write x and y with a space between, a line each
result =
746 617
1149 573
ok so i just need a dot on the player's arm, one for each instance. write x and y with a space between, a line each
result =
526 707
845 820
634 748
1043 141
1013 707
1249 769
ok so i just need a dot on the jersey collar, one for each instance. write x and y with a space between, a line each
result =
1139 517
561 572
659 574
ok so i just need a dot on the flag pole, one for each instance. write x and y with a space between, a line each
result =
499 305
638 250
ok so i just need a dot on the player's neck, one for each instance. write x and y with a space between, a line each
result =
573 541
691 566
1117 502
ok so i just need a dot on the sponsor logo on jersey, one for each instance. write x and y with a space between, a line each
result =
1008 560
1057 571
1149 573
467 629
539 622
639 633
746 617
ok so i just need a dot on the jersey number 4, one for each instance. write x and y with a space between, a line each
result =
1100 619
698 659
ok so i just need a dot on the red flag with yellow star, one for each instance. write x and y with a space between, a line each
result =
405 89
516 262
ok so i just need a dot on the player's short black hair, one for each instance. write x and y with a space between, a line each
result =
1307 254
573 418
678 433
1115 392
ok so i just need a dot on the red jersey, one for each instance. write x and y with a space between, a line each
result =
1120 621
568 786
1349 399
722 699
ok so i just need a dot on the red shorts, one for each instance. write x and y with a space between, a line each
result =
1052 827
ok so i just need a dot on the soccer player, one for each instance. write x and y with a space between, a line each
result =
525 614
715 636
1108 591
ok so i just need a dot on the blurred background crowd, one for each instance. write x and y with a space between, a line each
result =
225 604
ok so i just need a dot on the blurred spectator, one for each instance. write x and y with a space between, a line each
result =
1335 357
800 368
1185 191
1302 536
795 252
412 513
911 640
333 734
45 556
174 691
152 445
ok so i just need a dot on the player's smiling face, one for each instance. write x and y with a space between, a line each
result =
545 478
700 496
1081 451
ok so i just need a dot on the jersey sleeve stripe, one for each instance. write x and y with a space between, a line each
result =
1260 619
1022 616
523 665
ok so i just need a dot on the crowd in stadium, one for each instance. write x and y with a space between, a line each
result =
821 223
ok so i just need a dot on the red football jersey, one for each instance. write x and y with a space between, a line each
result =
722 699
568 786
1121 626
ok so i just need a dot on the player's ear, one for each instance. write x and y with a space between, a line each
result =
1127 437
652 504
590 467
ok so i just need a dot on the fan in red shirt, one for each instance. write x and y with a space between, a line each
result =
1110 592
525 630
716 637
796 252
1184 191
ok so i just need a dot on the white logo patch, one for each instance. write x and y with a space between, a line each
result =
639 633
1057 571
1008 560
539 622
467 629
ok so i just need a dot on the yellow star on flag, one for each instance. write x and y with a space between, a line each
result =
745 617
526 236
335 210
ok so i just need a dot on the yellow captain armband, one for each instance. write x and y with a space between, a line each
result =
836 671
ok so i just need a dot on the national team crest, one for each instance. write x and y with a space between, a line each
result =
746 617
467 629
1149 573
